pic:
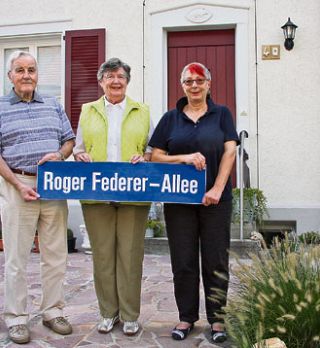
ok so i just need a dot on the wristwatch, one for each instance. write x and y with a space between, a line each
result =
62 158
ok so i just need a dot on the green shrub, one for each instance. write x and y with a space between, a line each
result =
279 296
311 237
157 226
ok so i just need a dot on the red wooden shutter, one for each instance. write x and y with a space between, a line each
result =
85 52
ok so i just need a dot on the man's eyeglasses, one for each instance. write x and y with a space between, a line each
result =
198 82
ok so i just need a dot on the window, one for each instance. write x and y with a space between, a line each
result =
49 66
84 52
47 51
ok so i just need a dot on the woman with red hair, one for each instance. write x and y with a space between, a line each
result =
201 133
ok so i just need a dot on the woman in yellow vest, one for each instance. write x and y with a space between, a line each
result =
115 128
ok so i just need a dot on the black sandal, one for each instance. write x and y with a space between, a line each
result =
218 336
181 334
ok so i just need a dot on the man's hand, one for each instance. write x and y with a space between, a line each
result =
52 156
27 193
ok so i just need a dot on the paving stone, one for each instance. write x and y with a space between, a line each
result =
158 309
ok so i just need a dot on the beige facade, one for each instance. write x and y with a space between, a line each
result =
276 100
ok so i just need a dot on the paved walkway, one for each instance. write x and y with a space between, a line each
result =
158 310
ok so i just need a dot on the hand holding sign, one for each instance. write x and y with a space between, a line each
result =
124 182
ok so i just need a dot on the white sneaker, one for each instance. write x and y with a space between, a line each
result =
130 328
107 324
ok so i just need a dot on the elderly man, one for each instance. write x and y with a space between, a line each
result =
33 129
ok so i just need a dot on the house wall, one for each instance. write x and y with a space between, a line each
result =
277 100
289 111
123 24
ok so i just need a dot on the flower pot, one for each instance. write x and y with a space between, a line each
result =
149 233
72 245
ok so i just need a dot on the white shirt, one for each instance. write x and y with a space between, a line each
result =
114 114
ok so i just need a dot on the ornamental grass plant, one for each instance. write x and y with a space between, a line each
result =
278 296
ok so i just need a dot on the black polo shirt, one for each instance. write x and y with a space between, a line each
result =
177 134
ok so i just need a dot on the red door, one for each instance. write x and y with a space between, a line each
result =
214 49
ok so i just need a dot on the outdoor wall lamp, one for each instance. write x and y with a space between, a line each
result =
289 32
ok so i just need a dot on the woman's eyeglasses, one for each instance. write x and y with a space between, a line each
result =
114 77
198 82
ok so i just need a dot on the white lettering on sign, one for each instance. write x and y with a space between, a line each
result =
175 184
170 183
65 184
116 183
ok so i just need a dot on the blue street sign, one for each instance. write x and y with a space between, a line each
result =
121 182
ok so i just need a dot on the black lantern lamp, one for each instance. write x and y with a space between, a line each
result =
289 32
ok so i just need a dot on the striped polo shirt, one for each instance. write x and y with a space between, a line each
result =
29 130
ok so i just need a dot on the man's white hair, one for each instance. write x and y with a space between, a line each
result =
15 55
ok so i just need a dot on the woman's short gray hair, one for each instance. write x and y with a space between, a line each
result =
113 64
15 55
197 68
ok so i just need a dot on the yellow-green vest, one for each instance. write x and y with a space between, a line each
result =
134 129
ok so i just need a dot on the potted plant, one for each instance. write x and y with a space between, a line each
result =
154 228
254 209
71 240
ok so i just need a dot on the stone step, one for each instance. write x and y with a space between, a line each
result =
242 248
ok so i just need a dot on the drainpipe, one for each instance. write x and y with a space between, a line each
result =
257 93
243 135
143 49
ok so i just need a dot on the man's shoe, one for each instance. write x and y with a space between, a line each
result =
59 325
19 333
107 324
130 328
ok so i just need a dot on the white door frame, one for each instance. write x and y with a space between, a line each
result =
203 16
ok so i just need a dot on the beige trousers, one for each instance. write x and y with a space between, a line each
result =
116 234
20 220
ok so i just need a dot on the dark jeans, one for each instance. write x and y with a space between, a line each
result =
189 226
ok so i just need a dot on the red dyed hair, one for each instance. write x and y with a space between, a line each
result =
195 68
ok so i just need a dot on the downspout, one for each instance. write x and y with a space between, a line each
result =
143 49
257 93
